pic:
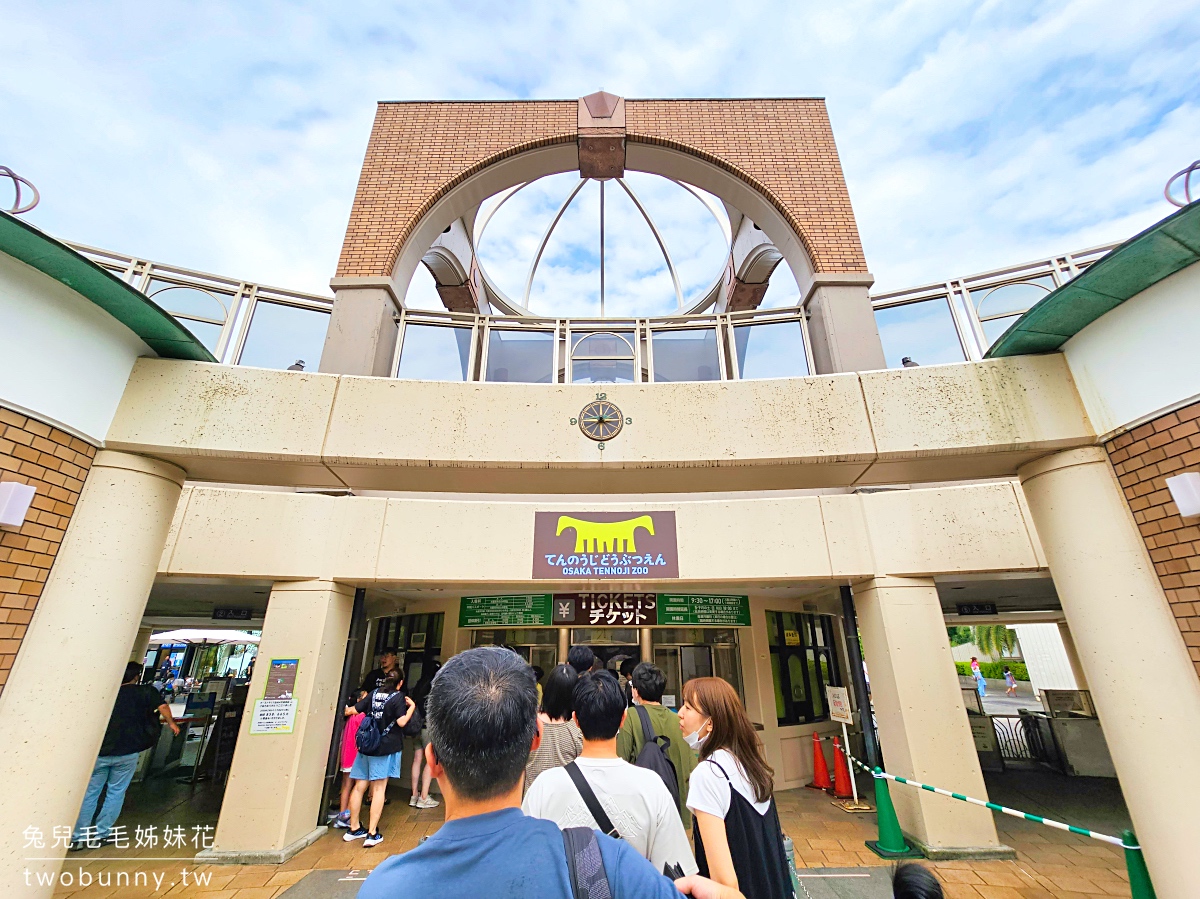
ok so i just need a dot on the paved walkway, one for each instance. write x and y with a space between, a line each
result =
1050 864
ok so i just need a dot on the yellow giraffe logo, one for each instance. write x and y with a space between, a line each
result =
605 536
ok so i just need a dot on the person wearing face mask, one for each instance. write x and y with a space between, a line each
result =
738 839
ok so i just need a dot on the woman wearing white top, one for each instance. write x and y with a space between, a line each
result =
738 839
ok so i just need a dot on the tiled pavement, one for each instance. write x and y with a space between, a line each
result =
1050 863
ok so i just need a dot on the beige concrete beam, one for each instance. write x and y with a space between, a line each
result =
89 613
935 423
272 801
923 728
1132 654
257 534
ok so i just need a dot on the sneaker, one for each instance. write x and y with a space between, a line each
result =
351 835
342 820
78 846
412 800
373 839
428 802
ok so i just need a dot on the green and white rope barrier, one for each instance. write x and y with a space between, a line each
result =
891 842
1003 809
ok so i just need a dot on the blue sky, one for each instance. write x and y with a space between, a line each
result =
228 136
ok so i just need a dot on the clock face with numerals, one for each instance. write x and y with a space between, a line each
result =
600 420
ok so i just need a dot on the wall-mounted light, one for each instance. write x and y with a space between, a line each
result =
14 504
1185 491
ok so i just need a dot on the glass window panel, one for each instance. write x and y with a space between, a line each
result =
520 356
207 334
686 355
435 353
1017 297
282 335
818 680
922 331
601 371
602 343
770 351
796 676
602 358
189 300
725 666
780 707
996 327
667 659
695 661
772 628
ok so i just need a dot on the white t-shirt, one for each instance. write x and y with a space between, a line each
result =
709 791
636 800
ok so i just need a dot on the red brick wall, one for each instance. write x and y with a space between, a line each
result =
1144 458
419 151
55 463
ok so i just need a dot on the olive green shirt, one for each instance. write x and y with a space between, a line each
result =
666 724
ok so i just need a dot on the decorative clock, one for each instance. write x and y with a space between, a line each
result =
600 420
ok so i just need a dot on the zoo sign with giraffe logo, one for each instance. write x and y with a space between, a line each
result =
604 545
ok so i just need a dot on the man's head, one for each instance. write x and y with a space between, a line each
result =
626 668
133 673
649 682
388 660
482 718
599 705
581 658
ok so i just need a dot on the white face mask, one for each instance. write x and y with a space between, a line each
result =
695 740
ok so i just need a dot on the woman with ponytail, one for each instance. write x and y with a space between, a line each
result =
737 835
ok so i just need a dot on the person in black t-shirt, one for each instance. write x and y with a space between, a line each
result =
391 708
133 727
389 666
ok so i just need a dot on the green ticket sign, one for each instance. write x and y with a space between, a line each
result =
703 611
526 610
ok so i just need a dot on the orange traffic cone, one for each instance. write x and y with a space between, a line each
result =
820 779
841 773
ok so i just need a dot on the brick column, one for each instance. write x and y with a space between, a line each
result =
1143 459
55 463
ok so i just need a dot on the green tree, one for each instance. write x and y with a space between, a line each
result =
959 635
995 640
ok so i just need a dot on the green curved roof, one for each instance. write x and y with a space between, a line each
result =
132 308
1158 252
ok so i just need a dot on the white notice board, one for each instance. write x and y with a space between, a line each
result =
839 704
273 716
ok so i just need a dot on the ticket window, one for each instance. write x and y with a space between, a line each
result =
538 645
685 653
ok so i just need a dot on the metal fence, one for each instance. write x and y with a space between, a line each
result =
244 323
959 319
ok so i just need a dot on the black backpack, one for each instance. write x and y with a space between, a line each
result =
370 735
654 757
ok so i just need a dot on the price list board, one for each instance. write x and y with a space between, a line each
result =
703 611
527 610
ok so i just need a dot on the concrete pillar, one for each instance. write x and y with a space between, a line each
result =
564 644
272 801
1128 642
841 325
1068 642
88 614
141 644
923 728
361 339
646 643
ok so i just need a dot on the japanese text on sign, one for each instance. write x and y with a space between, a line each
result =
273 716
526 610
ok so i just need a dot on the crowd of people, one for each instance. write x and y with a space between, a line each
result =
574 784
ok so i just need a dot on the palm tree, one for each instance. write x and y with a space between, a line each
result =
995 640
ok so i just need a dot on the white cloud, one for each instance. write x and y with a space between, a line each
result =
228 137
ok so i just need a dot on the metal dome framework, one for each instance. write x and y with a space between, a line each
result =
701 303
